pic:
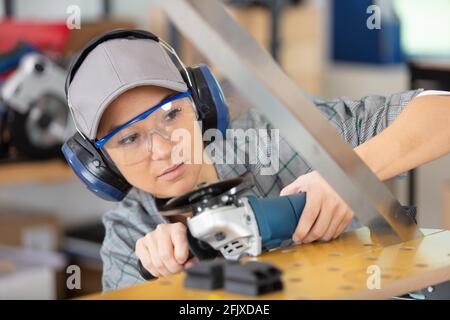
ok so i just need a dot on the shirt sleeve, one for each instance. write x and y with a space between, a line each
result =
124 226
359 120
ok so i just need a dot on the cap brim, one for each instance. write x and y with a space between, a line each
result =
176 86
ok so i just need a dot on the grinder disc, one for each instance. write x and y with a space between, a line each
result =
207 194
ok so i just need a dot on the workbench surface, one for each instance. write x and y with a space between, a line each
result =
333 270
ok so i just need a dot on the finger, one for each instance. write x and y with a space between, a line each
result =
308 217
323 221
190 262
144 256
151 244
292 188
338 217
180 244
165 249
345 222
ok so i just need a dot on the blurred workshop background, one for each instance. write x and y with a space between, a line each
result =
49 221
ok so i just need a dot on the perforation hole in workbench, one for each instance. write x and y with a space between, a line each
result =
421 265
295 280
334 254
297 265
372 258
345 287
334 269
368 244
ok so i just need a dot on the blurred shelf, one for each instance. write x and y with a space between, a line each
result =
35 172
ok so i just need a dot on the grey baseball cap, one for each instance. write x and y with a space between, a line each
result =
112 68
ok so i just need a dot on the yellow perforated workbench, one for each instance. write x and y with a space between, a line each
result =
333 270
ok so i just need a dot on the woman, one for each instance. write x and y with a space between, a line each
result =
129 100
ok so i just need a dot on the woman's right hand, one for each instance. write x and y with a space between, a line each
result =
165 250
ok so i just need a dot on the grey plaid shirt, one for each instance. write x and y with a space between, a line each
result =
136 215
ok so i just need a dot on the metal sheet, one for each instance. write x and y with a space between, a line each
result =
253 71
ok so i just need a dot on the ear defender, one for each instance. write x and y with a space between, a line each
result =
93 169
209 99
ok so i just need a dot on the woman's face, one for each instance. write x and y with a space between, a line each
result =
153 169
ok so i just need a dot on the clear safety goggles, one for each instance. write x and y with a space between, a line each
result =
133 141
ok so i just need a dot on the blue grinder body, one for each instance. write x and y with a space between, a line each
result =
277 217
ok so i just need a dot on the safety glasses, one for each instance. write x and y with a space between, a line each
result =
101 142
133 141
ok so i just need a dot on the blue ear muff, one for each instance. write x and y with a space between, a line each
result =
92 170
218 98
209 99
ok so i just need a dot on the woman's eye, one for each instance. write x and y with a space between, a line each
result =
172 114
130 139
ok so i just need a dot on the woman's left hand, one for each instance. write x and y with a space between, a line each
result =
325 215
